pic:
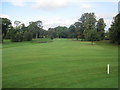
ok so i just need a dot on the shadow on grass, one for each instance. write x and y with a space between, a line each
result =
42 40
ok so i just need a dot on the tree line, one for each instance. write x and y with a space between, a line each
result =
87 28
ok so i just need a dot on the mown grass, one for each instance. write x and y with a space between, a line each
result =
0 65
62 63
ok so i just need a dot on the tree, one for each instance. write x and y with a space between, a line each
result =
20 33
9 33
72 31
27 36
114 31
58 32
36 28
88 22
78 30
101 28
6 24
61 31
51 33
17 37
92 35
17 23
39 24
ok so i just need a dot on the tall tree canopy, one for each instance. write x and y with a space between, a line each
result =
36 28
6 24
101 28
72 32
88 23
58 32
78 29
114 31
86 28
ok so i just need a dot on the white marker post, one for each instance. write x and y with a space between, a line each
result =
108 69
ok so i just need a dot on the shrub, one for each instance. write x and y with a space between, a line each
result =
17 37
27 36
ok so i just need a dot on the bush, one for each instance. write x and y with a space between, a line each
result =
52 38
17 37
27 36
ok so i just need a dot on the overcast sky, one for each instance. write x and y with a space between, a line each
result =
57 12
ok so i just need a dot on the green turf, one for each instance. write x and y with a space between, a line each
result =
63 63
0 65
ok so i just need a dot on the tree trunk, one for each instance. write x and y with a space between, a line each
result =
36 35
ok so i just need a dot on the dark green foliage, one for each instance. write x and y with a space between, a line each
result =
114 31
0 35
17 34
52 38
100 28
51 33
72 33
89 21
78 30
87 27
18 37
92 36
58 32
61 31
9 33
22 33
5 24
82 29
36 29
27 36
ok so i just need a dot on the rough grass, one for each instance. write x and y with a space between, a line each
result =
42 40
62 63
